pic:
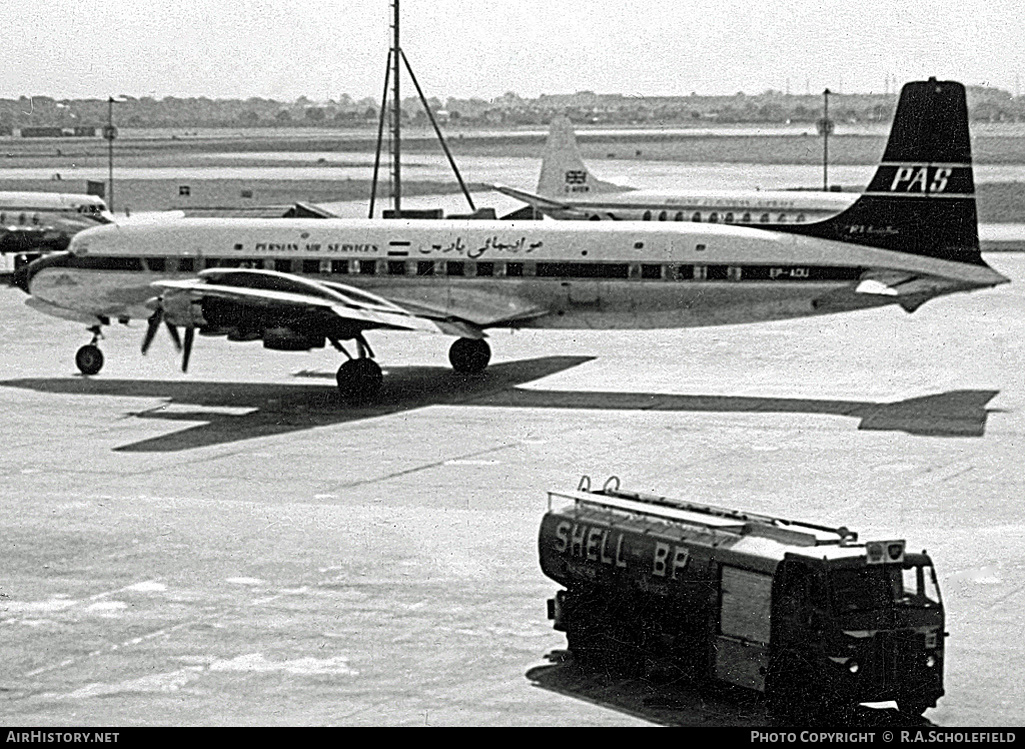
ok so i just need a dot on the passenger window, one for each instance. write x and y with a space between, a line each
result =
367 267
679 216
764 218
729 218
396 267
485 269
651 272
782 218
456 268
425 268
662 216
746 218
696 218
713 218
646 216
311 266
340 266
800 218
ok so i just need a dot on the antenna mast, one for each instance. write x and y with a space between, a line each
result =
396 173
392 70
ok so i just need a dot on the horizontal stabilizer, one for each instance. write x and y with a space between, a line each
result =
537 201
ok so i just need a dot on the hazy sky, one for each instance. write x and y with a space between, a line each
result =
321 48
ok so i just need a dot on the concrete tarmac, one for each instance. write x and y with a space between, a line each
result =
235 547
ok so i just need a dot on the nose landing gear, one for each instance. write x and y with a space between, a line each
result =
89 358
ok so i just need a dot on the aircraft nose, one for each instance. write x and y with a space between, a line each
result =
23 276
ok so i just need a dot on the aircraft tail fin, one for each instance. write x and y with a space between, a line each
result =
921 200
563 172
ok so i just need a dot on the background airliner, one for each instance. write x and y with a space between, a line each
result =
297 284
32 223
568 190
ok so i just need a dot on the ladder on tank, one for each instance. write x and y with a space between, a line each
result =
711 517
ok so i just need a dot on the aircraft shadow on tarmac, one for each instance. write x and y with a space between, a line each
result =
691 704
283 408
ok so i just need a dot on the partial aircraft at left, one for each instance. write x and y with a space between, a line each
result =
32 223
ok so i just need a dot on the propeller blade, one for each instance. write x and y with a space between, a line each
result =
151 329
190 334
174 336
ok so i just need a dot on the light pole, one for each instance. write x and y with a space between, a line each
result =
825 127
110 133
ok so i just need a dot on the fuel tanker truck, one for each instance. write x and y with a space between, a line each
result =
803 613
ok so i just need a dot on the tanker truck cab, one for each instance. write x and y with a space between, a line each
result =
863 623
801 612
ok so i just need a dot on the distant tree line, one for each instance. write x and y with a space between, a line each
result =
985 104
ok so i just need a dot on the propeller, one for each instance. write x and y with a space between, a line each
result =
153 325
190 334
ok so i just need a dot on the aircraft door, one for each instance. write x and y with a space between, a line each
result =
582 291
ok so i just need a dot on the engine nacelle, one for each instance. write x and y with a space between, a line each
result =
181 310
287 339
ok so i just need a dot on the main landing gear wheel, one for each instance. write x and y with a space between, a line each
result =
359 379
469 355
89 359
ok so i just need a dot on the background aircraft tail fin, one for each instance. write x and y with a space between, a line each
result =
921 200
563 172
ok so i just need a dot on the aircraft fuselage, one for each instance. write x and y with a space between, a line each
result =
497 273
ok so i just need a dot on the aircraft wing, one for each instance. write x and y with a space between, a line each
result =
355 305
530 198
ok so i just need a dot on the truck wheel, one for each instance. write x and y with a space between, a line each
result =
584 647
912 706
